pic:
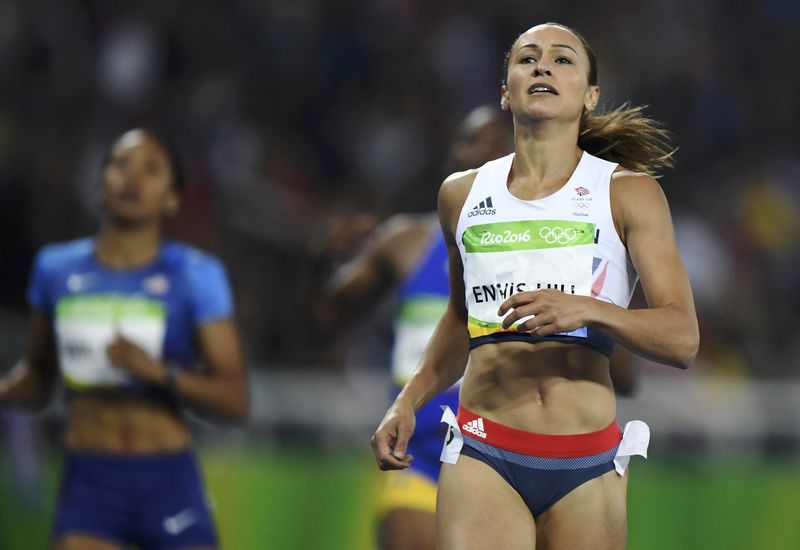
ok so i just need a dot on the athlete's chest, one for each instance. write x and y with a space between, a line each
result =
88 283
569 203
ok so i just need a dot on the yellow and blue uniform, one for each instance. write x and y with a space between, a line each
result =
152 501
422 301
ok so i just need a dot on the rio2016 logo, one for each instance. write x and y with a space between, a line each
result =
505 237
550 235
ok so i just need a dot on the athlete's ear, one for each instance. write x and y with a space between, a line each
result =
592 97
504 103
172 205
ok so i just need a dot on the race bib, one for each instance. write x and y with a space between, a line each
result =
503 259
85 326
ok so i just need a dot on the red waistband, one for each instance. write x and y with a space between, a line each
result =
529 443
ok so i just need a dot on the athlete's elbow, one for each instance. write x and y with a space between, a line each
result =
235 408
232 414
684 362
38 399
240 416
239 410
688 349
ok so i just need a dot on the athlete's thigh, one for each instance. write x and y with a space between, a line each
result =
84 542
405 529
592 517
477 509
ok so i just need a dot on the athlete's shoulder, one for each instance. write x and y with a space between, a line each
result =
457 180
460 183
625 175
408 221
452 197
456 186
396 238
636 199
185 257
629 185
403 224
63 255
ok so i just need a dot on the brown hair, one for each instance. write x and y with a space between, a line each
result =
622 135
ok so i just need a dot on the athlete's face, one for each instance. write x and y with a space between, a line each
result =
483 136
548 76
137 181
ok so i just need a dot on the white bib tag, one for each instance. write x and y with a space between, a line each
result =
453 440
635 439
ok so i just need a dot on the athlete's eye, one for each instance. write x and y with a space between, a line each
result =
527 59
119 162
564 61
153 168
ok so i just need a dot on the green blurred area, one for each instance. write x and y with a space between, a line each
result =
296 499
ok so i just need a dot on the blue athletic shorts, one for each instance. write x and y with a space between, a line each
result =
155 502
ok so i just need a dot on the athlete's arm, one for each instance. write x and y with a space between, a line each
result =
378 266
667 330
30 382
220 388
622 363
445 357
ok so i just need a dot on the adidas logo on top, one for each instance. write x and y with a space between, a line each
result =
484 208
475 427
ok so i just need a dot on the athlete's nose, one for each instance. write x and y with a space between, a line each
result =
542 68
134 174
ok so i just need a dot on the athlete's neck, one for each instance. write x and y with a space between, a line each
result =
546 155
129 247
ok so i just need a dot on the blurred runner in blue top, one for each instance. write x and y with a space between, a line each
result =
137 326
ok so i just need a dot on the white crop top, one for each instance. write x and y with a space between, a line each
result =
565 241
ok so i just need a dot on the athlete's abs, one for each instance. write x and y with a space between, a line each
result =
124 425
546 387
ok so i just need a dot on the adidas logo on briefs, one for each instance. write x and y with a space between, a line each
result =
475 427
484 208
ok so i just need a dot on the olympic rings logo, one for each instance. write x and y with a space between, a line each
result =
552 235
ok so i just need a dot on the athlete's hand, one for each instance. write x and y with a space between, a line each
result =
390 440
128 356
554 311
343 234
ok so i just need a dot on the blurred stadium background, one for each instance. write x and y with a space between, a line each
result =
296 117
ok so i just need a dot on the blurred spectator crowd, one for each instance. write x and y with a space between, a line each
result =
292 113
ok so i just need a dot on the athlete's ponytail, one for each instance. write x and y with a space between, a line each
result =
627 137
623 135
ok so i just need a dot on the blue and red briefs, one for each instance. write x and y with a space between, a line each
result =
155 502
541 468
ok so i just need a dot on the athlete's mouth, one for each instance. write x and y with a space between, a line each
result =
541 88
129 195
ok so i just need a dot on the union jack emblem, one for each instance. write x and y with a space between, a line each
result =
581 191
